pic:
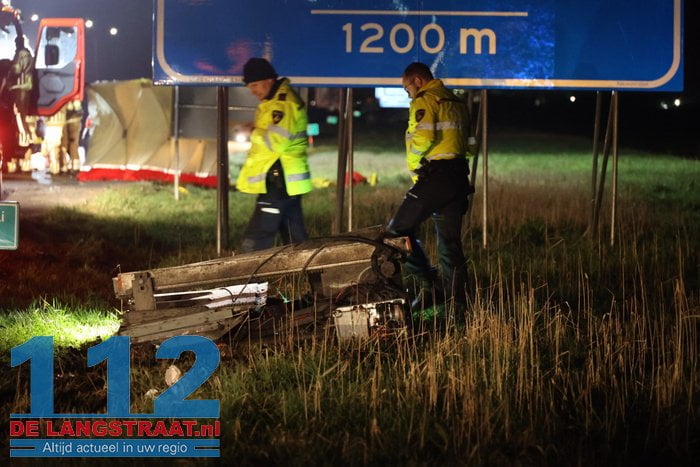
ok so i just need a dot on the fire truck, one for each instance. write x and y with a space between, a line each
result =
39 81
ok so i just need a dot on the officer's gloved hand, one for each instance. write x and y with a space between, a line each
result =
424 169
390 233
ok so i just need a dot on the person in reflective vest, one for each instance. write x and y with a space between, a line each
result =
276 168
436 155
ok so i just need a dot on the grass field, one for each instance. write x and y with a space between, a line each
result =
574 352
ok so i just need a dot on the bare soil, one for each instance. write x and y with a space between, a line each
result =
65 264
36 196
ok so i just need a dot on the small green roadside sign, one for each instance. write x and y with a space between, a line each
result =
9 225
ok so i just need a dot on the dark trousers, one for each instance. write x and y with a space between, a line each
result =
272 216
70 141
441 193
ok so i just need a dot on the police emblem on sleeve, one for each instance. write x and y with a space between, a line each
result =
277 116
420 113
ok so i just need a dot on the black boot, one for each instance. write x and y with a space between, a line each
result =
428 296
456 311
422 300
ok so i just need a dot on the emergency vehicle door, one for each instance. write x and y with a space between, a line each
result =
60 63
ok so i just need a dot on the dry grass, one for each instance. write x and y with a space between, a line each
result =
574 352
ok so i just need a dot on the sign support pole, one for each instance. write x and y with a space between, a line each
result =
342 162
604 166
484 109
613 209
351 162
222 170
596 151
476 131
176 142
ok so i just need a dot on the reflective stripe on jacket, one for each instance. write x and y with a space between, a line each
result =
280 133
438 126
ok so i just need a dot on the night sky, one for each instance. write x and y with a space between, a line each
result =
124 56
128 55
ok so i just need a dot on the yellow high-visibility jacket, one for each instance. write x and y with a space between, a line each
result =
438 126
280 133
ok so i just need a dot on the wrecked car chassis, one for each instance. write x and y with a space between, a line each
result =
353 287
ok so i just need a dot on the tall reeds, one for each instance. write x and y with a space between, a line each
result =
573 351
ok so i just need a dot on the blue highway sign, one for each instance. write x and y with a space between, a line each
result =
592 44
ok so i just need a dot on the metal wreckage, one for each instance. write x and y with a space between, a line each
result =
353 288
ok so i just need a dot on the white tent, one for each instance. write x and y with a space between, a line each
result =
132 137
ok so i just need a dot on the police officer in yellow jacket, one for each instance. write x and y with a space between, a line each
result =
436 155
276 168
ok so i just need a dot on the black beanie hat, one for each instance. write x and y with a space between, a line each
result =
257 69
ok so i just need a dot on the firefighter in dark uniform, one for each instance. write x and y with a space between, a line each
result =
8 123
70 140
276 168
436 155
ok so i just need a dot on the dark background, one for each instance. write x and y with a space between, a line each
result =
644 124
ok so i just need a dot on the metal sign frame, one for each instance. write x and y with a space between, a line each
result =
545 44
